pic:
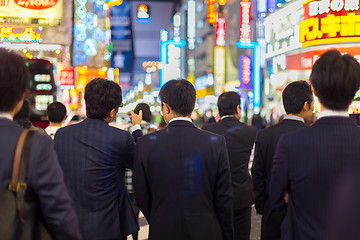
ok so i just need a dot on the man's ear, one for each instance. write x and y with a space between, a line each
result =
306 107
238 109
166 108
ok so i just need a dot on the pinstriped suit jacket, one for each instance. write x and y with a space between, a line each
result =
308 164
93 156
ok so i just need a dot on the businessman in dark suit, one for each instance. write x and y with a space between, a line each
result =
94 156
239 141
309 162
298 103
182 176
44 176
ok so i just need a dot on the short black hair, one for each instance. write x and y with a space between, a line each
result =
146 113
24 112
335 78
227 103
295 95
14 79
180 95
56 112
101 96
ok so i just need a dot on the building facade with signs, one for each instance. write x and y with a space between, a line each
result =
299 33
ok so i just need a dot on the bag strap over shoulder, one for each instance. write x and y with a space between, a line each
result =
21 159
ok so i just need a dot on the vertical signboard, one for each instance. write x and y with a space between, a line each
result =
219 69
245 20
220 32
245 72
121 35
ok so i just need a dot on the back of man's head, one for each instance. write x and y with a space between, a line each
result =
227 103
335 79
56 112
101 96
180 95
295 95
146 113
14 79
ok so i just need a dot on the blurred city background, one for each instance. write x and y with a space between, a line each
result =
253 47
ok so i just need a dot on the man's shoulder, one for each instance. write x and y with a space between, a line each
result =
210 126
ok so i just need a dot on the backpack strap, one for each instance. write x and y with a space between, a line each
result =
21 159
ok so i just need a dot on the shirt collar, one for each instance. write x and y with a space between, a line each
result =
6 115
226 116
181 118
293 117
332 113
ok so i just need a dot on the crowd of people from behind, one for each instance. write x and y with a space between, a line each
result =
92 179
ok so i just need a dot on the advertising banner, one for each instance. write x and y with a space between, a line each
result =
66 76
31 12
245 72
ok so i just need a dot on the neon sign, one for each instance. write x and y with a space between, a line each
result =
219 69
245 18
36 4
220 32
211 12
143 13
7 35
330 21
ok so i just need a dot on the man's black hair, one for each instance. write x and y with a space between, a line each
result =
14 79
335 78
146 113
295 95
180 95
227 103
56 112
24 112
101 96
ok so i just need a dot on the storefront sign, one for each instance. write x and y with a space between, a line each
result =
245 19
220 32
28 35
66 76
330 21
306 60
282 29
31 12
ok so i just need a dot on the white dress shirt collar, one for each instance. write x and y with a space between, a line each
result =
227 116
332 113
6 115
181 118
293 117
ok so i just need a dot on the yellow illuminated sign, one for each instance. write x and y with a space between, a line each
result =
7 35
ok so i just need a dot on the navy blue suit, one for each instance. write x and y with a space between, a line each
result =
94 156
44 177
308 164
182 184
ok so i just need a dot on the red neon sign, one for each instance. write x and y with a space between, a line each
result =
245 19
220 32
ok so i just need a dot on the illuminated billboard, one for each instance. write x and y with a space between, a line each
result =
245 21
143 13
220 32
330 21
31 12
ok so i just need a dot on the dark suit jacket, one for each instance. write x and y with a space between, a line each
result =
307 164
93 156
265 146
239 141
44 177
182 184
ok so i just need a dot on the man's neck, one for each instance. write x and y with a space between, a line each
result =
297 115
52 124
